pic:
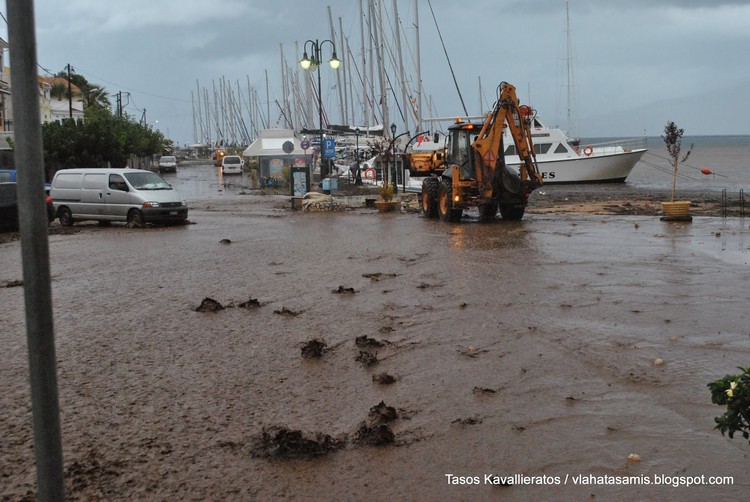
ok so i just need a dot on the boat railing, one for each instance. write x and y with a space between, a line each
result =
618 146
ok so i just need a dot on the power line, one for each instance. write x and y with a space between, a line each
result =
133 90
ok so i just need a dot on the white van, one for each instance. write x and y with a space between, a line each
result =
131 195
232 164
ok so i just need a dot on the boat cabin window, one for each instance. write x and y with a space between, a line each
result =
561 149
511 150
537 124
542 148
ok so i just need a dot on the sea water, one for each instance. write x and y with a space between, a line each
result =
726 157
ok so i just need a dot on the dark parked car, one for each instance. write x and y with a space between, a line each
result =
9 207
7 175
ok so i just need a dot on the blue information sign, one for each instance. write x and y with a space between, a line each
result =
329 148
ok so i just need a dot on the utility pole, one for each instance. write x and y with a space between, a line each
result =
70 96
40 338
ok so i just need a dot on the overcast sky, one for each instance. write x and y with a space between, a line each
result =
638 63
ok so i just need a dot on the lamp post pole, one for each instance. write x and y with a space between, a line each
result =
391 151
358 179
406 149
313 64
394 181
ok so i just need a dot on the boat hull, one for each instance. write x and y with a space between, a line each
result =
605 168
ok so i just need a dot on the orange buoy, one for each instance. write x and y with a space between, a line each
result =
706 171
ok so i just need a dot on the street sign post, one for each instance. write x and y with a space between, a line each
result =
329 148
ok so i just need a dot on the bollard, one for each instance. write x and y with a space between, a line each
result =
742 202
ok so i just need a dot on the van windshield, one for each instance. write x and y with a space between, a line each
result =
146 180
231 160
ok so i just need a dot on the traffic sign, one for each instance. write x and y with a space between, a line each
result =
304 144
329 148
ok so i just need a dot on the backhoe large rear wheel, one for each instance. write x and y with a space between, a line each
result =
511 213
446 211
430 195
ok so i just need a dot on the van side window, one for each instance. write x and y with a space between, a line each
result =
117 183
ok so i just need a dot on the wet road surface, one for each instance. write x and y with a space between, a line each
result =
516 348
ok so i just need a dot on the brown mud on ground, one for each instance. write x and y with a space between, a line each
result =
525 348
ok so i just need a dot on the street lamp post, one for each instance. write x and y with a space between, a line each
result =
312 63
394 181
391 152
358 178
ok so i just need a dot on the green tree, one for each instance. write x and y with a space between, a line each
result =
100 139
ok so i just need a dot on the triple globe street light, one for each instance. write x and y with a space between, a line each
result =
313 63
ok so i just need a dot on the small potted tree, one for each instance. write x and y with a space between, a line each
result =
678 210
386 203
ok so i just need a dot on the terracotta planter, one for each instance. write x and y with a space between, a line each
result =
387 206
676 209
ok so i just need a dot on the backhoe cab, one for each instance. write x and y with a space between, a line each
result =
474 170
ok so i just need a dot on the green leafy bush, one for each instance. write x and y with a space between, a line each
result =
733 391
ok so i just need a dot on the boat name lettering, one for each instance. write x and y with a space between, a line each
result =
548 176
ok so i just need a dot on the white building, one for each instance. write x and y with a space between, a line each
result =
51 109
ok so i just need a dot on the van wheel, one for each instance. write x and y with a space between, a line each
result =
66 217
135 218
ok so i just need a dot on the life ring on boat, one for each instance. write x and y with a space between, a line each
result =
587 151
369 173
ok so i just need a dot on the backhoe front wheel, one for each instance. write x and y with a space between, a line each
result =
446 211
430 195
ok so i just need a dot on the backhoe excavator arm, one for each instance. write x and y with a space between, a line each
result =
488 153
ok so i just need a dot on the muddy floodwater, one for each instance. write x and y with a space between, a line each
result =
259 353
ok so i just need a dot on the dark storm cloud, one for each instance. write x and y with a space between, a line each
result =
157 50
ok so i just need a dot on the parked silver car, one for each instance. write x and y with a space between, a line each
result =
167 164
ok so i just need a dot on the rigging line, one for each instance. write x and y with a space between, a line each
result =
133 90
666 170
429 3
683 163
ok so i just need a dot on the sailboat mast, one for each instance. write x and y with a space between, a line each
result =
378 32
364 68
338 73
572 125
343 50
268 102
401 75
419 66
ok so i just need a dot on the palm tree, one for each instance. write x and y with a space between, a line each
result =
59 90
95 96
